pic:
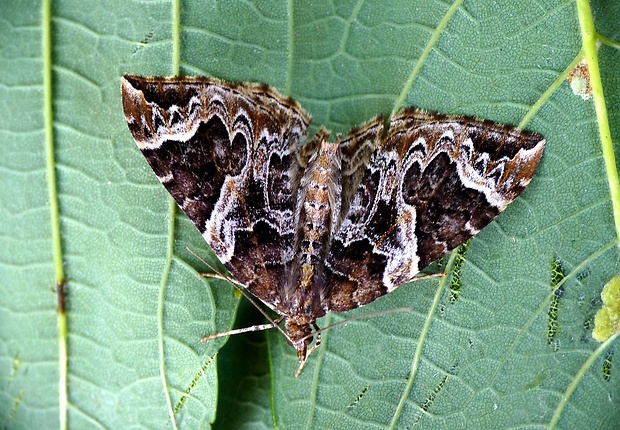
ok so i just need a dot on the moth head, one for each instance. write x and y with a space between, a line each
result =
300 336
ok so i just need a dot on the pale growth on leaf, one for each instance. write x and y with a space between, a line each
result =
607 321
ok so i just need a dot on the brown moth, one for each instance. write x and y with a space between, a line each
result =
310 227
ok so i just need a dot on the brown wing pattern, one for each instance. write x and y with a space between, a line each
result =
229 155
356 149
433 182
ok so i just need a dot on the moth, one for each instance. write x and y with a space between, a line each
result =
314 226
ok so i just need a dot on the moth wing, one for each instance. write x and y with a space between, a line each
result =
433 182
356 149
229 156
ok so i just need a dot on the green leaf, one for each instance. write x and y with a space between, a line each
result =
136 308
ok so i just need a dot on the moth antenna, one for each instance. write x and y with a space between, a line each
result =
241 288
372 314
357 317
317 331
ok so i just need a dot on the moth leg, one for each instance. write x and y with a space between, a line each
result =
242 289
317 343
258 327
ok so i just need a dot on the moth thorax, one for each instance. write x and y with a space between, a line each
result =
320 201
319 204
